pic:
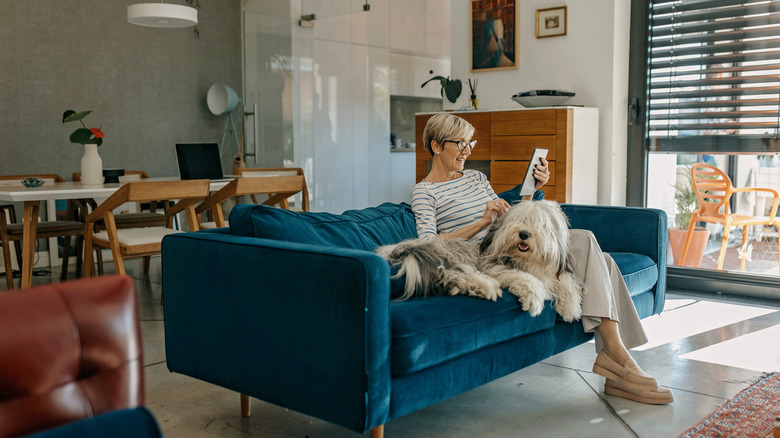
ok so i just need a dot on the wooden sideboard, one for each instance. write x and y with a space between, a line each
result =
506 139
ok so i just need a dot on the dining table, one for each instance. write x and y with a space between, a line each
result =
32 197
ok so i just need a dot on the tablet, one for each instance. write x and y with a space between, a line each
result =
529 182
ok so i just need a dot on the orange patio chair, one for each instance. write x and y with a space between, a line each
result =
713 190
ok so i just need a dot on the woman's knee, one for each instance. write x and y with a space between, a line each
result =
583 237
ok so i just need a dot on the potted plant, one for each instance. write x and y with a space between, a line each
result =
451 88
685 204
91 139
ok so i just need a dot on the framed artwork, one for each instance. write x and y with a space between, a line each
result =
551 22
493 35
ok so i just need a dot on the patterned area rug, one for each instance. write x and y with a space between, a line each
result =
750 414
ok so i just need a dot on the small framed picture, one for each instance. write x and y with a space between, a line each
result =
551 22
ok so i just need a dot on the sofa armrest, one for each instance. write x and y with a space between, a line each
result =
126 423
292 324
627 229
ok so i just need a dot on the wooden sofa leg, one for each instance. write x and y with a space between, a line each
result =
378 432
246 406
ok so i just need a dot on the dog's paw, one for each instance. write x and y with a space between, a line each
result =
530 292
533 306
568 299
531 303
490 288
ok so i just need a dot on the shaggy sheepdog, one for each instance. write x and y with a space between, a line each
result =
526 252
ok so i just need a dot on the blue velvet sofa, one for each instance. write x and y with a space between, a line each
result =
295 309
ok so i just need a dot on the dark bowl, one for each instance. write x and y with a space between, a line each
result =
112 175
32 182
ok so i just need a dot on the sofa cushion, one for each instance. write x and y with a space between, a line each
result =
512 195
639 271
429 331
357 229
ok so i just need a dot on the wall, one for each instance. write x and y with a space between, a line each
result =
591 60
146 86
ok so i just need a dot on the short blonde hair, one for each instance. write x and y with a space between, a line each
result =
445 126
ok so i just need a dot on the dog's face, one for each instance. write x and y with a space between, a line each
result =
530 232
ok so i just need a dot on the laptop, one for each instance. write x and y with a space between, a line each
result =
199 161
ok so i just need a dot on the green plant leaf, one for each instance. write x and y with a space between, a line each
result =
82 136
440 78
453 89
72 116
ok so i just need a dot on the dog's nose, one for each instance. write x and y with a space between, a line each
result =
523 235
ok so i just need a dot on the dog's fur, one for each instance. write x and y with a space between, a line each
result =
526 251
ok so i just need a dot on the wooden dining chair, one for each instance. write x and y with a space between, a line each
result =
278 189
145 214
143 240
713 190
279 171
12 232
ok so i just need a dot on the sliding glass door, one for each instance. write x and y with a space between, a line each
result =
704 88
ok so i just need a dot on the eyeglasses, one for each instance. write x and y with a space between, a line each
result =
462 144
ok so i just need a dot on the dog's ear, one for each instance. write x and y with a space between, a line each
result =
565 263
488 240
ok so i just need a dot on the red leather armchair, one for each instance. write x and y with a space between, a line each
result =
68 351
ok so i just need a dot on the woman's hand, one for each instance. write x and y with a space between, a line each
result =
541 174
494 209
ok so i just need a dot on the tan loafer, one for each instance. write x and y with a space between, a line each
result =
641 394
628 373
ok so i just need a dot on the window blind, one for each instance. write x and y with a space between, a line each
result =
714 76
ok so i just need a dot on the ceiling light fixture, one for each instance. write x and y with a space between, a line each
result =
162 15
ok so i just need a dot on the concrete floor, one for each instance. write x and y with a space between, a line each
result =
707 348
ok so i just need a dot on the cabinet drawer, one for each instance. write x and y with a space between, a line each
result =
521 147
524 122
512 172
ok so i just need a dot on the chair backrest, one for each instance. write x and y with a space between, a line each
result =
279 171
277 187
186 192
713 189
70 351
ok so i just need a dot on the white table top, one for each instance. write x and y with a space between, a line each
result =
74 190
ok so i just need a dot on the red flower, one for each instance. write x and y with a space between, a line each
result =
97 132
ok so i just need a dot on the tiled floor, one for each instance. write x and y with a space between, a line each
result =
706 348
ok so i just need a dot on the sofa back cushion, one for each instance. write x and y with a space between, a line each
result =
363 229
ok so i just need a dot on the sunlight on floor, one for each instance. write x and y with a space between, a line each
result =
755 351
681 318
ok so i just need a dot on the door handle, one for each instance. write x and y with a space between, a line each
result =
253 114
633 111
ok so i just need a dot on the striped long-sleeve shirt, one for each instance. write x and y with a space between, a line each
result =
448 206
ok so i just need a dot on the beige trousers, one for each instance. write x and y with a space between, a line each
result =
606 294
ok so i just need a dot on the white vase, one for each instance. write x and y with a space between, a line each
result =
91 165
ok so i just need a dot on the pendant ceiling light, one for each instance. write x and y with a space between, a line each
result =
162 15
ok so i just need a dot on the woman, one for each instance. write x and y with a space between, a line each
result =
453 202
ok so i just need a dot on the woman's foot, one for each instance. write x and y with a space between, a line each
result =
641 394
629 381
629 372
